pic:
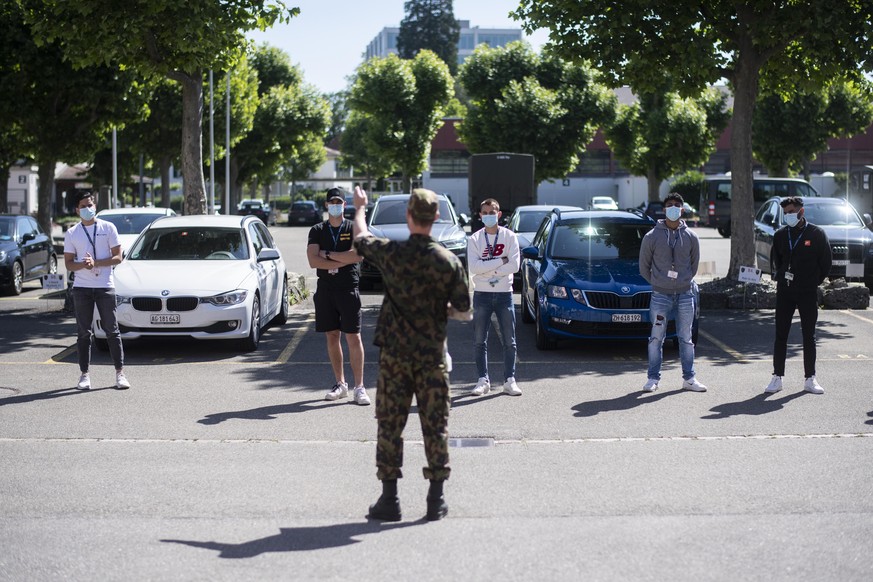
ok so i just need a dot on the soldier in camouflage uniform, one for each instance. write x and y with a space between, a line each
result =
421 279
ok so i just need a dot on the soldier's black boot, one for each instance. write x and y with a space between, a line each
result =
436 503
387 507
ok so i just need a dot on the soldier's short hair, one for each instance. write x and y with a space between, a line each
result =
490 202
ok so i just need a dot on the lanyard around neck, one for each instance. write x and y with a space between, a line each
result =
488 244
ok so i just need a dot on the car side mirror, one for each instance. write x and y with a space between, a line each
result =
463 219
28 236
769 219
530 253
868 220
267 254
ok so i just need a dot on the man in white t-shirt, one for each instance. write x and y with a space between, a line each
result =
493 259
91 250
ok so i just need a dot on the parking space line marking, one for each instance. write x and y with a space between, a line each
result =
724 347
57 358
864 319
295 341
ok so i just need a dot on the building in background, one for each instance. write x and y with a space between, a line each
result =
385 42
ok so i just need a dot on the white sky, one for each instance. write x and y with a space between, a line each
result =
329 37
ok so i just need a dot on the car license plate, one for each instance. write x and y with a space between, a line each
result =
301 219
841 262
626 317
164 318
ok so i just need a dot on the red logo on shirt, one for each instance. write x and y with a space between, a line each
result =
498 250
807 243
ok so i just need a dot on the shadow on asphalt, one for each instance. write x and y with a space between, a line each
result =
626 402
754 406
298 539
48 395
271 412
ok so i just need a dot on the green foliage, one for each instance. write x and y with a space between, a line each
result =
663 133
523 103
339 115
429 25
397 106
689 185
789 129
274 67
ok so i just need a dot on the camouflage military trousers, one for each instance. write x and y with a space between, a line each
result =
401 377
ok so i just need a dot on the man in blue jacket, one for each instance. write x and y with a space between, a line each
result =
669 256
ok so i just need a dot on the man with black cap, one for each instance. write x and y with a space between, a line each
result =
800 259
337 298
424 283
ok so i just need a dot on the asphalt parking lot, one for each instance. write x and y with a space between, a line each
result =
225 466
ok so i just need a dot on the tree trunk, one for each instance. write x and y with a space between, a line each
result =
4 188
192 143
653 183
742 203
165 181
44 196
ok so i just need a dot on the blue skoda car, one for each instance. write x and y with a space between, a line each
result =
581 278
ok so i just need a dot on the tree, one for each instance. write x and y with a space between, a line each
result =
789 129
663 133
66 112
523 103
339 115
168 38
429 25
400 104
357 154
639 42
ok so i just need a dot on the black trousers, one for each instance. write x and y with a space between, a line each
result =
805 301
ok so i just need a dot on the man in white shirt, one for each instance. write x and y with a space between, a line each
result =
91 250
492 259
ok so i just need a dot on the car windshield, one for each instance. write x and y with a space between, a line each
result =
131 223
530 221
832 215
302 206
189 244
7 224
394 212
591 240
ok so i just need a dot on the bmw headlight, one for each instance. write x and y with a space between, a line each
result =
2 256
556 292
229 298
121 300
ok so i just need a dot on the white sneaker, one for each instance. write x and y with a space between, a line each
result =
812 386
361 396
121 380
483 386
339 390
511 388
651 385
775 385
84 382
693 385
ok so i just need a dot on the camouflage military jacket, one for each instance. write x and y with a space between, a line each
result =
420 278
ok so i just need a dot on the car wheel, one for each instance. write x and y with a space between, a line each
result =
17 279
282 317
526 314
725 230
250 344
544 342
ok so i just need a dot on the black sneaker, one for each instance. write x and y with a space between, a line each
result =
385 509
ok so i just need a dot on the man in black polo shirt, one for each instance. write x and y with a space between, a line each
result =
337 300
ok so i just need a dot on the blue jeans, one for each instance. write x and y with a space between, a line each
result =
484 304
85 300
682 306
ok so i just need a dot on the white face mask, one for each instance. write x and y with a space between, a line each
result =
673 213
87 213
791 219
335 209
489 220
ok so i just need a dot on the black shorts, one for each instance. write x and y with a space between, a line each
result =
337 309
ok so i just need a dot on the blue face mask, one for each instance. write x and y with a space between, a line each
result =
791 219
87 213
673 213
489 220
335 209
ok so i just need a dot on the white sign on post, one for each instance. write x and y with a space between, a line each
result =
53 282
750 275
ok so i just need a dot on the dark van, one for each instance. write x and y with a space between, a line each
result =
715 200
